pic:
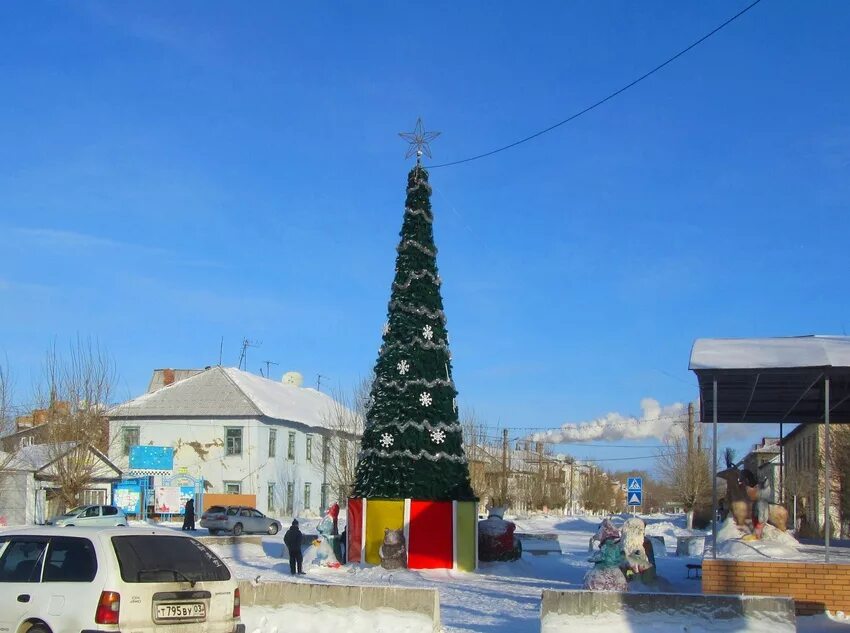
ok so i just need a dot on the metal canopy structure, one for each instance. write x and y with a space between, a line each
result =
778 380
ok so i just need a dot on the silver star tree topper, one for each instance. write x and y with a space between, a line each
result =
419 141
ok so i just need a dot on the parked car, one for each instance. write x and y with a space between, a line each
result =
238 519
129 579
90 515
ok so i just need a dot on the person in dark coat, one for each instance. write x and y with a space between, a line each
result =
189 515
292 540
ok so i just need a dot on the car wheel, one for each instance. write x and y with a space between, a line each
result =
274 528
213 532
38 628
237 529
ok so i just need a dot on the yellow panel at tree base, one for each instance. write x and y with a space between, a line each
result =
467 534
380 515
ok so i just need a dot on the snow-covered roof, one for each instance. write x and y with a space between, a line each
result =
229 392
765 353
34 457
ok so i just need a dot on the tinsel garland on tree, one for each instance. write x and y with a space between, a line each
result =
412 446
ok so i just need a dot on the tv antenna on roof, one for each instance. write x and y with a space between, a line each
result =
319 381
268 371
243 357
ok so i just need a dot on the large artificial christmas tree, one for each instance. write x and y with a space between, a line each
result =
412 446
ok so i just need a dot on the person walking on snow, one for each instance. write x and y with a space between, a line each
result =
292 540
189 516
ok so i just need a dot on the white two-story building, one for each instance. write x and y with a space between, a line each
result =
241 433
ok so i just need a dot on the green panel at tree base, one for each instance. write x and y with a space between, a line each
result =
467 535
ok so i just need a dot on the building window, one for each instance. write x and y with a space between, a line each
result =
307 496
232 487
272 442
270 498
233 441
309 448
290 498
326 493
290 450
130 438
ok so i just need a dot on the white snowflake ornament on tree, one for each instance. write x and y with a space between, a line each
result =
425 399
428 332
387 440
403 367
438 436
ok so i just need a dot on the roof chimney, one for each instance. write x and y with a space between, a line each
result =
167 377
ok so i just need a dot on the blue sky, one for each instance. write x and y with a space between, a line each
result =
174 173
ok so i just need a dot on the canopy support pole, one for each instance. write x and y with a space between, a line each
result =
827 509
780 495
714 471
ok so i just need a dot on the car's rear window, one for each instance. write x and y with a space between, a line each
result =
149 558
216 510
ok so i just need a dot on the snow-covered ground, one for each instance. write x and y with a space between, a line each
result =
498 598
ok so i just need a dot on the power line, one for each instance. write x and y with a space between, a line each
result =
601 101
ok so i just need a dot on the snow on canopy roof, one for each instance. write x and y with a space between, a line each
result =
766 353
229 392
773 379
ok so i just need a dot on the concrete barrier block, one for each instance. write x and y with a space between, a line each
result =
368 598
695 607
253 539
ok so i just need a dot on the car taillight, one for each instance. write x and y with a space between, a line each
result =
237 604
108 607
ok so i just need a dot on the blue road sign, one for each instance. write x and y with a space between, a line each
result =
635 498
635 484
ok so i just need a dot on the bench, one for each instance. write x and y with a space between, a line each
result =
696 568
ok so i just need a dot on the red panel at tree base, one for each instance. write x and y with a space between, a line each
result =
430 537
354 531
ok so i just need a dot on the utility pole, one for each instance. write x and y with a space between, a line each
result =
690 474
572 478
541 472
319 381
690 432
505 467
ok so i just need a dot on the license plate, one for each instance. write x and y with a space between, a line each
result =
181 611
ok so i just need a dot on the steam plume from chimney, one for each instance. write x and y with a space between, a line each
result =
656 421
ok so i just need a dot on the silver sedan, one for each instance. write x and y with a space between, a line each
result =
238 520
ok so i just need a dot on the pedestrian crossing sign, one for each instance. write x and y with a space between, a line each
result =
635 484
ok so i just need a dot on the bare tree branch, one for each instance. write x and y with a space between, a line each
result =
346 420
73 395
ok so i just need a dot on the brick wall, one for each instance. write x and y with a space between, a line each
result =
814 586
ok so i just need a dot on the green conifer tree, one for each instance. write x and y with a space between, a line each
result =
412 445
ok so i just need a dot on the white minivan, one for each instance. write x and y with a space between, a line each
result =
113 579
